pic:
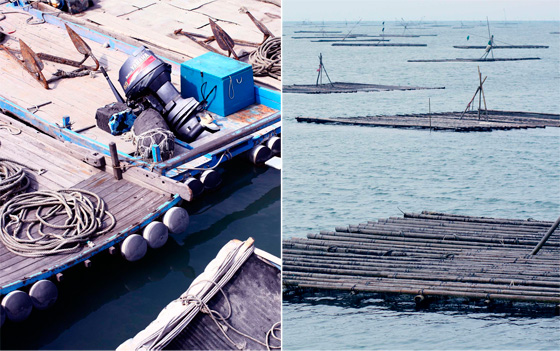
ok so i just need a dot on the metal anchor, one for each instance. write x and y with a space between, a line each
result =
264 30
223 39
32 62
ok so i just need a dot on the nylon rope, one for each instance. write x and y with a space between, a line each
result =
85 220
267 59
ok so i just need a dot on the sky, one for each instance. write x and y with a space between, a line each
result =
415 10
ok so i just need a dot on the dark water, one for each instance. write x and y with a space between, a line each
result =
100 307
337 175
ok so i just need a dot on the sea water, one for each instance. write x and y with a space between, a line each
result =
339 175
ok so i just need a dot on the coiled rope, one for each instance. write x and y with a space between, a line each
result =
267 59
85 219
13 179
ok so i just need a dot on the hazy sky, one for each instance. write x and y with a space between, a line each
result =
414 10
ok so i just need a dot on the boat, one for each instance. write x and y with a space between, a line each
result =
62 134
234 304
67 109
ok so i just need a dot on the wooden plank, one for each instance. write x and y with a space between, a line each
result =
23 266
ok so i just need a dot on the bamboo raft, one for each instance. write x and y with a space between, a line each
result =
340 87
502 47
450 121
432 256
380 44
347 41
478 59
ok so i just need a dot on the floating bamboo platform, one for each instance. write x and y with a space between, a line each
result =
380 44
347 41
135 200
318 31
450 121
340 87
478 59
431 256
502 47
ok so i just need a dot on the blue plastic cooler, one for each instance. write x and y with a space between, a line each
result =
233 81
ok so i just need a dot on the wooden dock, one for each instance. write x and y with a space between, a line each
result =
51 165
449 121
341 87
431 256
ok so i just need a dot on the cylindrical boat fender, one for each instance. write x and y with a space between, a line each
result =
2 316
274 144
211 179
195 185
43 294
17 305
134 247
156 234
176 220
259 154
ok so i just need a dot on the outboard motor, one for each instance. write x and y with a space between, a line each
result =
147 79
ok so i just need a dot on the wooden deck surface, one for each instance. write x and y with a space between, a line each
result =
130 203
152 23
451 121
80 97
430 255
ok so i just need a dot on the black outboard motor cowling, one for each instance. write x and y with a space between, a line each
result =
144 76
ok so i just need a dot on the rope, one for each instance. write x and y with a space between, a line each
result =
84 221
10 129
267 59
12 179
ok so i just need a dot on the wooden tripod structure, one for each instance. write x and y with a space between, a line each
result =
481 97
320 72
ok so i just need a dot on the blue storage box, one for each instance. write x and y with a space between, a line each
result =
233 81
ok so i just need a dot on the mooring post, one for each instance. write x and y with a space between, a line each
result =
66 122
156 153
546 236
117 172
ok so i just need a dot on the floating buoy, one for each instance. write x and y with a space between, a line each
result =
2 316
176 220
17 305
211 179
43 294
156 234
259 154
134 247
195 185
274 144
